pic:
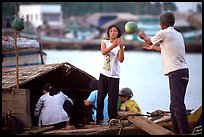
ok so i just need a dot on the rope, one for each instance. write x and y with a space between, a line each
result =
11 97
116 123
9 110
120 130
119 123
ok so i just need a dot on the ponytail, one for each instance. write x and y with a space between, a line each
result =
53 91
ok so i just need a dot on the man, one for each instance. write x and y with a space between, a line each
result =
171 45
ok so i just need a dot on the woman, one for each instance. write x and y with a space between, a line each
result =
113 53
49 107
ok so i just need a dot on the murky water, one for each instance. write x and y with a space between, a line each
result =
140 71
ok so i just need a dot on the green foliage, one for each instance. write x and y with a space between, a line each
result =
8 9
170 6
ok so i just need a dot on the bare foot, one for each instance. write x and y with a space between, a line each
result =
93 123
173 133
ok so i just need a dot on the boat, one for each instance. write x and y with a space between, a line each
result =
128 123
194 119
18 105
193 42
29 52
56 42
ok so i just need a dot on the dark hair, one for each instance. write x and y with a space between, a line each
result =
52 91
93 85
47 86
167 18
119 31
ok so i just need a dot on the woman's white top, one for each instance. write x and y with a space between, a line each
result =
111 67
51 109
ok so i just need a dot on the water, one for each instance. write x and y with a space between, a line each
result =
140 71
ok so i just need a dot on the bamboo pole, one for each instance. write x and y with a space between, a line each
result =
40 44
41 53
16 50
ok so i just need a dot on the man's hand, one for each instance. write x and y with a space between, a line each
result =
148 47
141 34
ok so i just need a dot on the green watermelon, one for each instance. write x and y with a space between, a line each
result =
131 27
18 24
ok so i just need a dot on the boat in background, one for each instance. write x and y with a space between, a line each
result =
29 52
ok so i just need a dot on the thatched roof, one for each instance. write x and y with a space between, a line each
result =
28 73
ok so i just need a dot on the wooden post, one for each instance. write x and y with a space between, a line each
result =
40 45
41 53
16 49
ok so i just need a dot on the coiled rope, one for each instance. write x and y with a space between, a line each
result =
122 122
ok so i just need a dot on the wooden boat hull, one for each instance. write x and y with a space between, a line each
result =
128 129
29 52
99 130
49 42
73 82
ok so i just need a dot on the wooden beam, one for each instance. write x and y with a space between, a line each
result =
163 119
73 131
145 124
38 130
18 102
98 130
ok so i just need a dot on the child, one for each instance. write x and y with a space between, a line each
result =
92 101
127 103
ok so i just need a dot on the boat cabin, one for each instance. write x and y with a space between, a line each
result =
64 76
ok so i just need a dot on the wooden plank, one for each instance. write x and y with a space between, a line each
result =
98 130
163 119
18 101
15 101
71 132
145 124
148 125
38 131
